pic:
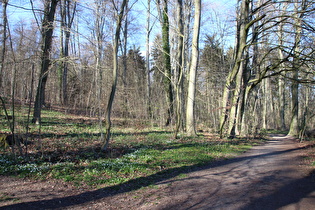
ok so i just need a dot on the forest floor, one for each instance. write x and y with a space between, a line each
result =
276 175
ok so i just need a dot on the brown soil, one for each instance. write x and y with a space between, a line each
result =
272 176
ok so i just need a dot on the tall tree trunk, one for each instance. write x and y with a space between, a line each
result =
114 81
124 58
99 36
281 85
190 112
4 38
67 18
294 125
167 63
3 56
242 33
179 68
148 90
62 56
47 35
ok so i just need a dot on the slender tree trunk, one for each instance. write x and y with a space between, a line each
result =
124 57
67 21
4 38
62 56
99 78
148 91
114 81
47 35
99 35
281 90
190 112
179 68
13 92
281 93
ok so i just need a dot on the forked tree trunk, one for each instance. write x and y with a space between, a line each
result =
243 29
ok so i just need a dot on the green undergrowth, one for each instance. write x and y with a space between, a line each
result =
68 148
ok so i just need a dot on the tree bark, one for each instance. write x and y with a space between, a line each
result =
47 35
190 112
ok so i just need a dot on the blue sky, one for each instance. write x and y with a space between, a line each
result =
217 17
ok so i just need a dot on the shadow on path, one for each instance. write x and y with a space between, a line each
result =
292 193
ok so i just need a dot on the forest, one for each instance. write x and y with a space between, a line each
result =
184 68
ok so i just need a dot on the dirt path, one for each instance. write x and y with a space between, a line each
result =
271 176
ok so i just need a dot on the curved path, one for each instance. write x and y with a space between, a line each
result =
266 177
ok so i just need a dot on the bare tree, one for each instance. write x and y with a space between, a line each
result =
67 14
47 36
119 20
242 34
148 33
190 112
124 61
